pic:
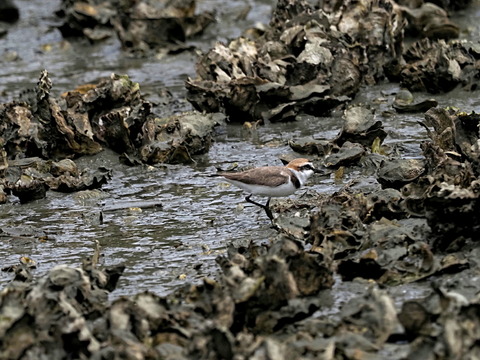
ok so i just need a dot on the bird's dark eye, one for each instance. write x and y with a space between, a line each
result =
308 167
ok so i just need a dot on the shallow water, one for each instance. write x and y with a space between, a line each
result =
177 243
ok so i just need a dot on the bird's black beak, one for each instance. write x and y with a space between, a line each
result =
317 171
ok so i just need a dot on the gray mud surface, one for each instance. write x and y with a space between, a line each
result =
159 245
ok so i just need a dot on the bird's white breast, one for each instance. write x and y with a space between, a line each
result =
285 189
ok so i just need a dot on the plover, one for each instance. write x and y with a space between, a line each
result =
271 181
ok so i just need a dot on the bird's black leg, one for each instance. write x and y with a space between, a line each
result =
265 207
253 202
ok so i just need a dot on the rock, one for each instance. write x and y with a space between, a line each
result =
56 310
413 317
398 172
430 20
64 167
300 65
148 25
385 204
374 316
447 191
30 178
87 180
311 146
348 154
29 189
326 224
9 11
372 246
437 67
284 273
86 18
177 138
360 127
404 103
439 321
143 27
109 114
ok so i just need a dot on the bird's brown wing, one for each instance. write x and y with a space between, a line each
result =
268 176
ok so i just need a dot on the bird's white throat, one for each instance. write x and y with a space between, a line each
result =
302 176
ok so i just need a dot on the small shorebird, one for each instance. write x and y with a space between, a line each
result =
271 181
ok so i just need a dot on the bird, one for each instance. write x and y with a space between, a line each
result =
271 181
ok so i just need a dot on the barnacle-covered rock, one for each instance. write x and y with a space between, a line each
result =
311 146
302 64
374 316
398 172
109 114
437 66
27 188
57 309
30 178
373 237
90 18
177 138
360 126
140 25
431 21
88 179
265 286
405 103
444 322
448 193
328 223
348 154
145 25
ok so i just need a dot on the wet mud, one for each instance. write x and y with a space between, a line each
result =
119 243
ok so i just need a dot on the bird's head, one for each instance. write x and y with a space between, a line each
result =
303 168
